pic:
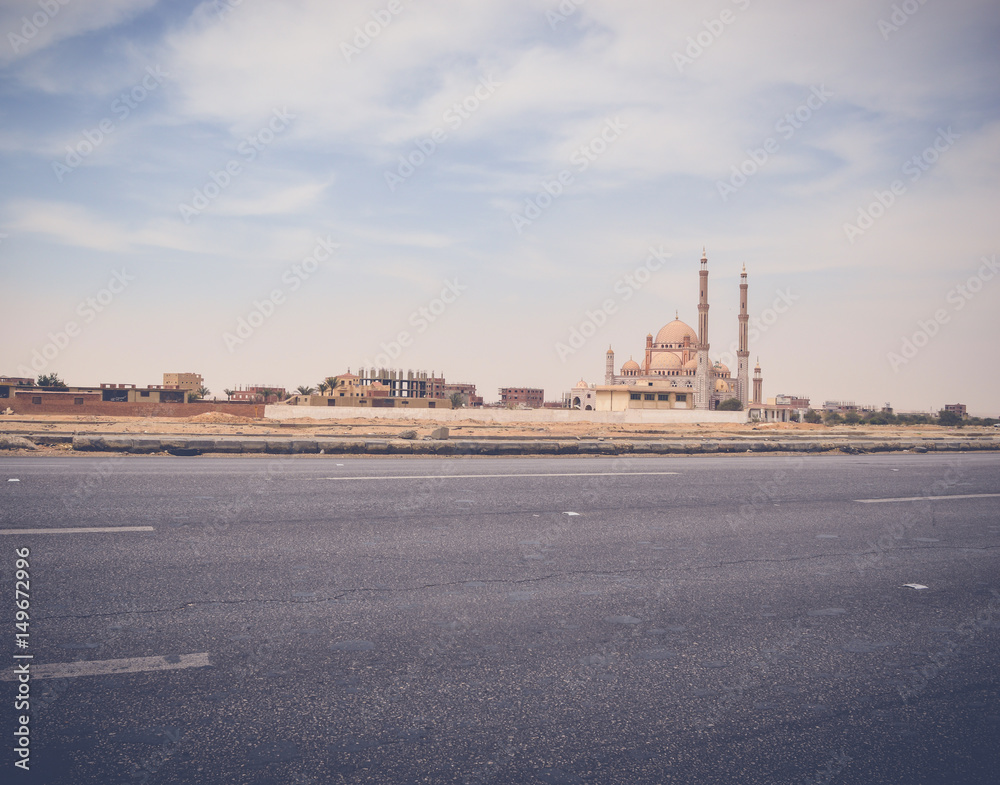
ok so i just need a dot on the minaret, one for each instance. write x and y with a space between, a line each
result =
609 367
743 353
703 376
649 353
758 381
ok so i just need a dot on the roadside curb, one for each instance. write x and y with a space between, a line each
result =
353 446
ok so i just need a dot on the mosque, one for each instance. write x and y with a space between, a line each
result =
676 371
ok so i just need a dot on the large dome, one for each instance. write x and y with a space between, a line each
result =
630 365
675 332
665 361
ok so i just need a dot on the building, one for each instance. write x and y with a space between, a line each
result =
957 408
842 407
55 398
17 381
796 401
522 397
467 391
183 381
583 396
349 389
259 393
677 372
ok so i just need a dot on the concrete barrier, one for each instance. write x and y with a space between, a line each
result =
458 447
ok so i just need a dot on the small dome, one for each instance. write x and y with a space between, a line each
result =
721 386
630 365
675 332
663 361
692 364
582 385
721 369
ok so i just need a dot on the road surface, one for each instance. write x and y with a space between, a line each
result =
520 620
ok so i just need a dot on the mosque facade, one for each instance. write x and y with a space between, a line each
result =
677 372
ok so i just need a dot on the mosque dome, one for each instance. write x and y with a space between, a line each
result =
721 369
692 364
630 365
675 332
665 361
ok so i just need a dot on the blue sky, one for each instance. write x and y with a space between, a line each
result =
478 181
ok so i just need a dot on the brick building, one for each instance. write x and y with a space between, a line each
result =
529 397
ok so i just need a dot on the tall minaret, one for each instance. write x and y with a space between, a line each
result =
758 382
703 376
649 353
743 353
609 367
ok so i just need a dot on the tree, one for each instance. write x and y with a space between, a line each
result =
51 380
832 418
730 405
229 394
793 416
949 418
457 400
332 382
200 394
322 387
852 417
304 389
813 416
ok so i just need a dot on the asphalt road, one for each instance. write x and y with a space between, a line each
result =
520 620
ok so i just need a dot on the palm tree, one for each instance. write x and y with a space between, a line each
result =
200 394
322 387
229 394
304 389
332 382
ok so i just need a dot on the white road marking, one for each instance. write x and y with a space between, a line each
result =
473 476
931 498
69 670
81 530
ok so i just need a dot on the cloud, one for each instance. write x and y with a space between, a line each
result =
30 26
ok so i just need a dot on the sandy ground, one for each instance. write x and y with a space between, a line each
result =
219 424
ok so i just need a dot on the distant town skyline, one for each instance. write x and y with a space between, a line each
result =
277 192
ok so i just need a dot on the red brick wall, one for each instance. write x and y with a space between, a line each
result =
23 405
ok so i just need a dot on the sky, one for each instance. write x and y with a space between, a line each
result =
276 191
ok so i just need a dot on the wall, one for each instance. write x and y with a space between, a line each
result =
507 415
22 405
